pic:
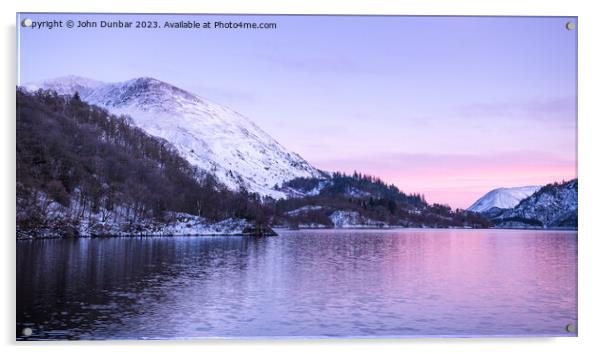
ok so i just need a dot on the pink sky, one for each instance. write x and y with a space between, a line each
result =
459 180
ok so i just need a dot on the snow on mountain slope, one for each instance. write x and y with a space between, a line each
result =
502 198
210 136
67 85
554 205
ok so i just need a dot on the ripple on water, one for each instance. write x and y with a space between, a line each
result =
303 283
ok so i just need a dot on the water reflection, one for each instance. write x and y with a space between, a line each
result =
303 283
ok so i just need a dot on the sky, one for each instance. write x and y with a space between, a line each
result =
448 107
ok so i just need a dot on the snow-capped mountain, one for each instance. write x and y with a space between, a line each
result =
554 205
213 137
502 198
67 85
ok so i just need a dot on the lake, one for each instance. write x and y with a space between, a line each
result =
306 283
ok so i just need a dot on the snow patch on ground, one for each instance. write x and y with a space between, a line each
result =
78 221
356 193
190 225
303 210
291 192
342 219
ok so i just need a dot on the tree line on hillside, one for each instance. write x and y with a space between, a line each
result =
372 198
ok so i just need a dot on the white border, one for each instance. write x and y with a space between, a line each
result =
590 61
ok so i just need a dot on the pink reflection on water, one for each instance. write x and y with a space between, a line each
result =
341 283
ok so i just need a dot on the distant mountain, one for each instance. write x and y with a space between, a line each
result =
502 198
554 205
210 136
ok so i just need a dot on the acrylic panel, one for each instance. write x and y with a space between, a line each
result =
191 176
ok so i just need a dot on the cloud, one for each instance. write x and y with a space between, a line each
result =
556 109
419 162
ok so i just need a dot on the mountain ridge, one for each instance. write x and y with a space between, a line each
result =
210 136
552 206
503 198
555 205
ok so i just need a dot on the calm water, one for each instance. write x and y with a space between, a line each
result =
303 283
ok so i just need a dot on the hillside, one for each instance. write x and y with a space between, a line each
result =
364 201
553 206
212 137
81 170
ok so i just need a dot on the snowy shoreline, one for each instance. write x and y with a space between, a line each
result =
276 231
180 225
132 236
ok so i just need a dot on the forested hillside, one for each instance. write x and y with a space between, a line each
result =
353 200
92 163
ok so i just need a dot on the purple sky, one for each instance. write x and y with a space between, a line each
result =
446 106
